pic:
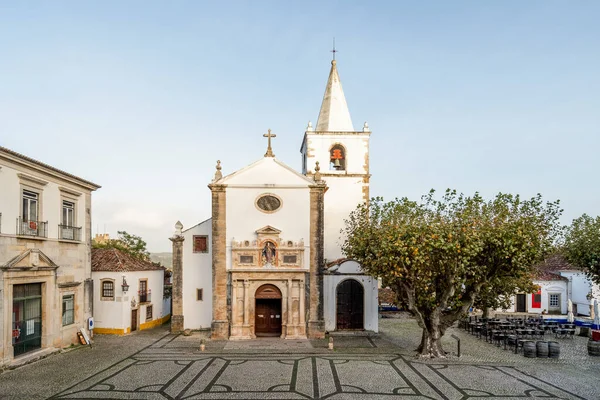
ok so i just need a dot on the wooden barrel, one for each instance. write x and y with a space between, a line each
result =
529 349
553 349
593 348
542 348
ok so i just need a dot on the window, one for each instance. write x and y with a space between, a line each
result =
537 298
554 300
143 292
149 313
30 206
200 244
108 290
199 294
337 158
68 309
68 213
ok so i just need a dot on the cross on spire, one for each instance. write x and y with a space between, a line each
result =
334 50
269 152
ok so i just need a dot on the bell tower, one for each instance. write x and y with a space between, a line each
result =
343 156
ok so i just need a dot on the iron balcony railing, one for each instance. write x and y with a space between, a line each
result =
145 297
32 228
66 232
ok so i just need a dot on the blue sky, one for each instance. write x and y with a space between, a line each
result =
142 97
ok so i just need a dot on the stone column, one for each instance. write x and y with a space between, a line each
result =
177 311
234 306
290 302
302 309
220 322
316 323
284 325
246 302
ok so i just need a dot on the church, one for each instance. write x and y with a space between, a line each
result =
269 261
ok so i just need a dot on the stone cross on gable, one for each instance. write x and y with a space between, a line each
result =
269 152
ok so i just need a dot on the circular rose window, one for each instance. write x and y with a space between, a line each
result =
268 203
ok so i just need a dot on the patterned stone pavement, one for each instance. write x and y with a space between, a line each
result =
173 368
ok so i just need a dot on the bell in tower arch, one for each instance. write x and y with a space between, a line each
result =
337 159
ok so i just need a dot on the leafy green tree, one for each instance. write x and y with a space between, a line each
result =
582 245
439 254
128 243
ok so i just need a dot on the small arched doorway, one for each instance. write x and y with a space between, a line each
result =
267 311
350 297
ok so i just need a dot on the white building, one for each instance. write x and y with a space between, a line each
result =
350 297
559 281
256 268
45 270
129 293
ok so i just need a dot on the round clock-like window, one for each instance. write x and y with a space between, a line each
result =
268 203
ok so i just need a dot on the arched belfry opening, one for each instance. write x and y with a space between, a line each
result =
337 158
267 312
350 299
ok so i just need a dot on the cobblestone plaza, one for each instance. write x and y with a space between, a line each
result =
159 365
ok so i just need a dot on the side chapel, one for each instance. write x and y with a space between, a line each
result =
261 264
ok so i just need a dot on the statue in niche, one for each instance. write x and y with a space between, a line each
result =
268 253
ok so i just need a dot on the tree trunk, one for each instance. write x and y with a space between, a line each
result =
486 312
431 345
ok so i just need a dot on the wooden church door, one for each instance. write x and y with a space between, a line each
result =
350 305
268 316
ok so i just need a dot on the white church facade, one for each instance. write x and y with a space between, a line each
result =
262 265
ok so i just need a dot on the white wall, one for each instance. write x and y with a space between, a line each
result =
351 270
356 145
197 274
342 197
293 218
345 193
580 287
117 314
268 175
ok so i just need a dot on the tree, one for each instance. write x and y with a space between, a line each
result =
128 243
439 254
582 245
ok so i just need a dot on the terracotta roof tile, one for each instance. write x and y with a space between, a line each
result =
114 260
548 270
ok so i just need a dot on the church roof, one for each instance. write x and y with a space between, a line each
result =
266 171
334 115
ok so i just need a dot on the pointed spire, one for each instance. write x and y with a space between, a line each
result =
334 115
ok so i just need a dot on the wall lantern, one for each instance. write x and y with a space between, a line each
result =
125 286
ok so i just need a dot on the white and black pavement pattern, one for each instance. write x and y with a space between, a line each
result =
165 371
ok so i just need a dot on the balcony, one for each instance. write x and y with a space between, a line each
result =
32 228
66 232
145 297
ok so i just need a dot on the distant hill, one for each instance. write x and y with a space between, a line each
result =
166 259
